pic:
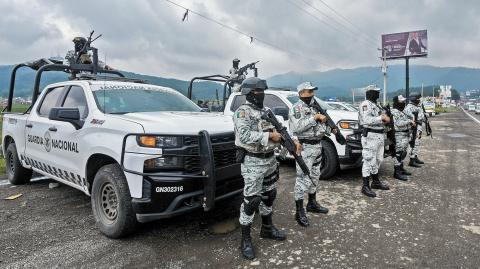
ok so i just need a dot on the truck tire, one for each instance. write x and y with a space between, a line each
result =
329 160
112 203
17 174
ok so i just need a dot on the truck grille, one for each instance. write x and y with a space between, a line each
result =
223 147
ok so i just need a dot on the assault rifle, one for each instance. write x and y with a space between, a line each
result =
338 136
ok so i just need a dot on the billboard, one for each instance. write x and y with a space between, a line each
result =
407 44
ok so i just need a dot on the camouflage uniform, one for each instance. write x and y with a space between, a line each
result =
402 134
259 174
369 116
305 127
70 59
238 79
409 110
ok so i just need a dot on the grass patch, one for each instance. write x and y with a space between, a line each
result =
446 109
3 172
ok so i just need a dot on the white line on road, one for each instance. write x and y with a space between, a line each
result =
473 118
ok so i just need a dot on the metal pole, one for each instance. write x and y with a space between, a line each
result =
384 70
353 96
422 89
407 79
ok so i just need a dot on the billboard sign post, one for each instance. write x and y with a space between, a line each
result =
405 45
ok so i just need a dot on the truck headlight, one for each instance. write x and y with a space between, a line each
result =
348 124
152 141
163 162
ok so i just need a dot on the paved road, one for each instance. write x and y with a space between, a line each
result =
431 221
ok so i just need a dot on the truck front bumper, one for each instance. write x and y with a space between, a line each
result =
165 197
169 193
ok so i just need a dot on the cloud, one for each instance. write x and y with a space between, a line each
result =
149 37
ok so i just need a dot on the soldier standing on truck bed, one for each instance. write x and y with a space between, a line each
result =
256 140
308 126
235 76
373 122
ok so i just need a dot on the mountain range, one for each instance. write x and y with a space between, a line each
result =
336 82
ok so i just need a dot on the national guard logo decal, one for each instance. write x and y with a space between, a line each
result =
47 141
240 114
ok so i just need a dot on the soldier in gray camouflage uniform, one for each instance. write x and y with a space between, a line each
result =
402 124
257 140
373 122
237 78
410 109
308 127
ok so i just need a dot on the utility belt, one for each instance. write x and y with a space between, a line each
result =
241 153
370 130
402 131
310 141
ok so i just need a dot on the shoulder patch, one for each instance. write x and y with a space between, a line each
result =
240 114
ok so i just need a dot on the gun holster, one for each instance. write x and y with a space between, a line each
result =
240 155
364 132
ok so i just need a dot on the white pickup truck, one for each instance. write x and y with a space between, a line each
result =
336 156
142 152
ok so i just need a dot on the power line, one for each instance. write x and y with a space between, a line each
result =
251 37
321 20
347 20
340 23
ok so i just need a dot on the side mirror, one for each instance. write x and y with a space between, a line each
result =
281 111
71 115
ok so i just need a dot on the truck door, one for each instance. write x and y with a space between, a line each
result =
38 149
66 139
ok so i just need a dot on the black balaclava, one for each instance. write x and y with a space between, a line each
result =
372 96
256 99
398 105
306 100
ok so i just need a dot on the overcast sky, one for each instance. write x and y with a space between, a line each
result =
149 37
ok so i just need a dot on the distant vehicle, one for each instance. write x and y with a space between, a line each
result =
471 107
477 109
429 108
342 106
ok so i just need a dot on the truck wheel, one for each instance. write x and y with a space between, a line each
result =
17 174
112 203
329 160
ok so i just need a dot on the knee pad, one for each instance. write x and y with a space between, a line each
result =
268 197
252 205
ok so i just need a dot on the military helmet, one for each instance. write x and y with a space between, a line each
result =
236 60
79 39
251 84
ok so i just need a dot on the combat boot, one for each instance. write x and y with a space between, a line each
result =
414 163
313 206
419 161
398 174
403 171
246 245
366 188
269 230
300 214
377 184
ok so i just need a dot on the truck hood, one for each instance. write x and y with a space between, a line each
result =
337 115
188 123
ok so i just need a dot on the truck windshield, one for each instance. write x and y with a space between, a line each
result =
294 98
121 99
